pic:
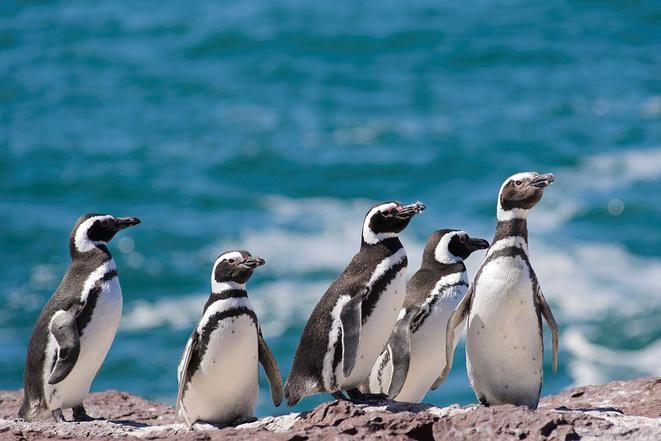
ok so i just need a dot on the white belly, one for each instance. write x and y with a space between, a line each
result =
94 345
427 356
376 331
503 342
225 386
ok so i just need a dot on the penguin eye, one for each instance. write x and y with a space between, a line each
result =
518 182
231 261
105 223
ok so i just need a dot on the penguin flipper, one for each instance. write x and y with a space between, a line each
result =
270 365
65 332
351 318
191 347
548 315
457 317
400 349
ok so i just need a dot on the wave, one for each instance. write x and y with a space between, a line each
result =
600 173
595 364
619 169
279 305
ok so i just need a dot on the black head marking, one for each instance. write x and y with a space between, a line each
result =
449 246
235 266
523 190
387 219
94 230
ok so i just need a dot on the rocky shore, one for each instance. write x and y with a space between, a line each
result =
624 410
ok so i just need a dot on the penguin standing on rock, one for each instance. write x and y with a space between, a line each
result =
351 324
77 325
505 306
219 371
414 358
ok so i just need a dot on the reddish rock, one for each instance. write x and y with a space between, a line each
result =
627 410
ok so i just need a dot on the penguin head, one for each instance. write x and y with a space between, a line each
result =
521 192
92 230
386 219
234 267
452 246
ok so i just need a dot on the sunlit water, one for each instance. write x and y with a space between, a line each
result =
273 126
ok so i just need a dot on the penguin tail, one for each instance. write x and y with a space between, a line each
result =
297 388
24 412
31 410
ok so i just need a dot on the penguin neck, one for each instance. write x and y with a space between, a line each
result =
511 228
392 243
225 290
443 268
98 252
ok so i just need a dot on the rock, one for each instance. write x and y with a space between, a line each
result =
627 410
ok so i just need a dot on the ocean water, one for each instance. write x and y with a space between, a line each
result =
274 125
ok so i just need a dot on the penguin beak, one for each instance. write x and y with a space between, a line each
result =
408 211
541 181
125 222
475 244
253 262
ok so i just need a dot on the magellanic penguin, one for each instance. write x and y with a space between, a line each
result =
505 305
350 325
414 357
77 325
219 371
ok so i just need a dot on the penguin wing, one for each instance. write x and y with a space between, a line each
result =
191 347
458 316
548 315
65 332
271 368
351 318
400 348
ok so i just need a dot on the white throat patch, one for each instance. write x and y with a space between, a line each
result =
442 253
370 236
81 239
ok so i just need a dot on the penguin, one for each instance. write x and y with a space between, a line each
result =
505 305
77 325
219 373
350 325
414 357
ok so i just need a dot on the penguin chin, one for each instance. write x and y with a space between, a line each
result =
242 276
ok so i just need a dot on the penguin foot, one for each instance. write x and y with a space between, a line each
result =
58 416
244 420
339 396
201 426
79 414
368 398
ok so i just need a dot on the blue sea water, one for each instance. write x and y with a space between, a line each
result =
274 125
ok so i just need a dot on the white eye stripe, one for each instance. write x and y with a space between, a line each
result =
81 240
370 236
442 253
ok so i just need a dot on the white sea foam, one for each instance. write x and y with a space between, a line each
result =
595 364
597 173
618 169
332 237
278 306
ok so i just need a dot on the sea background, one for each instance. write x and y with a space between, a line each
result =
274 125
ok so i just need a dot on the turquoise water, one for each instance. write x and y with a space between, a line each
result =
273 126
